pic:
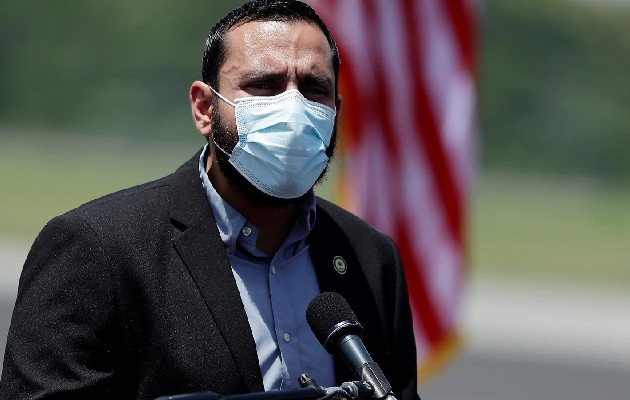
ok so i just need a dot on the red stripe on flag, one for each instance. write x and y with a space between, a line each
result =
442 175
379 104
464 32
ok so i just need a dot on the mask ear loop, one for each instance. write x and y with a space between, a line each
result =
212 136
220 148
221 97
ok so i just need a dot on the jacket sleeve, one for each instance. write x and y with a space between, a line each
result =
60 339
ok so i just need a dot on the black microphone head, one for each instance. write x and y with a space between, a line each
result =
329 315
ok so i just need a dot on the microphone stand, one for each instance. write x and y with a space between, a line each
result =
310 391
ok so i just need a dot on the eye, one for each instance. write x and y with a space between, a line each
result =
262 88
259 85
316 92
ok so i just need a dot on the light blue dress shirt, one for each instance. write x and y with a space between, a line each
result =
275 291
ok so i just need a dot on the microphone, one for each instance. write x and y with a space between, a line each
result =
336 327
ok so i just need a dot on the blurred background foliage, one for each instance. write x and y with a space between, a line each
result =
114 67
555 87
93 98
554 82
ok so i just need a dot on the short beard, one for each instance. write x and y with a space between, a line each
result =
227 140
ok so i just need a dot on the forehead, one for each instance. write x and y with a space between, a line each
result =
277 44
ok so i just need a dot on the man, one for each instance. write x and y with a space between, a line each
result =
199 281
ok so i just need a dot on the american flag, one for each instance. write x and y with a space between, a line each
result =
408 142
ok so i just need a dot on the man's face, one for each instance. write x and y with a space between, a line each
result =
266 59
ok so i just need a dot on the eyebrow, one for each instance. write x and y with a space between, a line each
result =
261 75
318 80
308 78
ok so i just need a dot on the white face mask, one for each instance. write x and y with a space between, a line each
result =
282 142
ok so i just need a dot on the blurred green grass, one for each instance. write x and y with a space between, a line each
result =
561 230
45 175
564 230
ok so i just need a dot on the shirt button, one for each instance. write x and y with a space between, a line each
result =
287 337
273 269
247 231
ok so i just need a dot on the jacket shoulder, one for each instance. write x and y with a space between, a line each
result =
131 207
141 195
145 201
329 214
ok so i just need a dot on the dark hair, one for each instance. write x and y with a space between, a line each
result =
259 10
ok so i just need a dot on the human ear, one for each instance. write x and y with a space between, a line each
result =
200 99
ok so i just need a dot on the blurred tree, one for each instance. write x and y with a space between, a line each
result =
115 66
555 87
554 80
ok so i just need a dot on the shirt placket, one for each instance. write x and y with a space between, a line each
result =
284 320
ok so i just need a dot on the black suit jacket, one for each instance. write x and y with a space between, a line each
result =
131 297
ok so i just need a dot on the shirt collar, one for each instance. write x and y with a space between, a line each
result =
232 225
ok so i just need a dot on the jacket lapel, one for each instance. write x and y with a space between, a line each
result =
338 270
202 251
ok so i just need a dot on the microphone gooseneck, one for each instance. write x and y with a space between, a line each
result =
336 327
